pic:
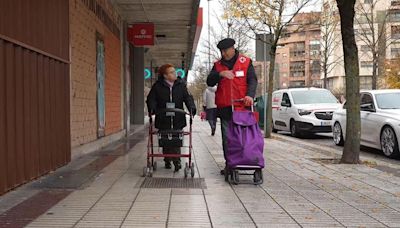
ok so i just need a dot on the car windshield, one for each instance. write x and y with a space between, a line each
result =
313 97
388 100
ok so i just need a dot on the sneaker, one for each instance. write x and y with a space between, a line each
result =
168 165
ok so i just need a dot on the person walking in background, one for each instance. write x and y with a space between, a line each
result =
170 91
210 107
236 79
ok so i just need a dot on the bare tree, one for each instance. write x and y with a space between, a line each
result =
268 17
226 27
198 85
330 41
351 150
373 26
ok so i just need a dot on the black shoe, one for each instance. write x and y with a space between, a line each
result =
177 166
213 132
222 172
168 165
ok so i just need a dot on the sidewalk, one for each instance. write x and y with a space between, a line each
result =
298 191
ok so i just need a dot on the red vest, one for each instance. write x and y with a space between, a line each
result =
235 88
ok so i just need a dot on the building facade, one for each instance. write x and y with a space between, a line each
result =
376 27
70 80
298 55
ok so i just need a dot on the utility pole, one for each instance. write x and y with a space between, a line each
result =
265 83
209 40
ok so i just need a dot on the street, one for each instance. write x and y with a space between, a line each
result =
325 140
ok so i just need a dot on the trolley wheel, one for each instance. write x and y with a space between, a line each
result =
192 170
258 177
235 177
150 174
154 166
226 173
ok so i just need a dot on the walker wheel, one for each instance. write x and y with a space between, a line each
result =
186 171
145 171
192 170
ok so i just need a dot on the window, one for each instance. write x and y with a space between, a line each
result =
314 52
297 74
394 15
297 84
366 99
363 31
388 100
315 66
364 18
365 82
285 99
395 52
395 31
297 66
364 48
366 64
395 3
314 97
315 45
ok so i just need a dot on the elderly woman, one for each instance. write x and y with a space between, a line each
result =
170 91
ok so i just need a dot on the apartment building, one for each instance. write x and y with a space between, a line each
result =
298 55
377 27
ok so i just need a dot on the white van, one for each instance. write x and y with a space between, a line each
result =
303 110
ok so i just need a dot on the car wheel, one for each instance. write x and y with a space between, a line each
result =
389 144
293 129
338 134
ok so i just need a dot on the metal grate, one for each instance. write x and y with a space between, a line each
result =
174 183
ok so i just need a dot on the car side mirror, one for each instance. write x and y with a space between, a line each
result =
367 107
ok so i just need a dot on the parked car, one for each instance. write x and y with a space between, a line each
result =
303 110
380 121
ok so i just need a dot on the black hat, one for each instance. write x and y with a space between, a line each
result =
225 43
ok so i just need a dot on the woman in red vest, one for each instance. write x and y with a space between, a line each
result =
236 79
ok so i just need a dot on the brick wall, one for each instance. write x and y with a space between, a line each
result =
83 27
113 83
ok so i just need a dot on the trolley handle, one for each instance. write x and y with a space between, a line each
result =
240 100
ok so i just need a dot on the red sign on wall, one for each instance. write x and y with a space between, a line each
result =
141 34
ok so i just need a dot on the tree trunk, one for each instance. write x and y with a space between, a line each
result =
374 70
325 66
270 90
351 150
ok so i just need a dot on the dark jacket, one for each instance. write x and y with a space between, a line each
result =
159 96
213 79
